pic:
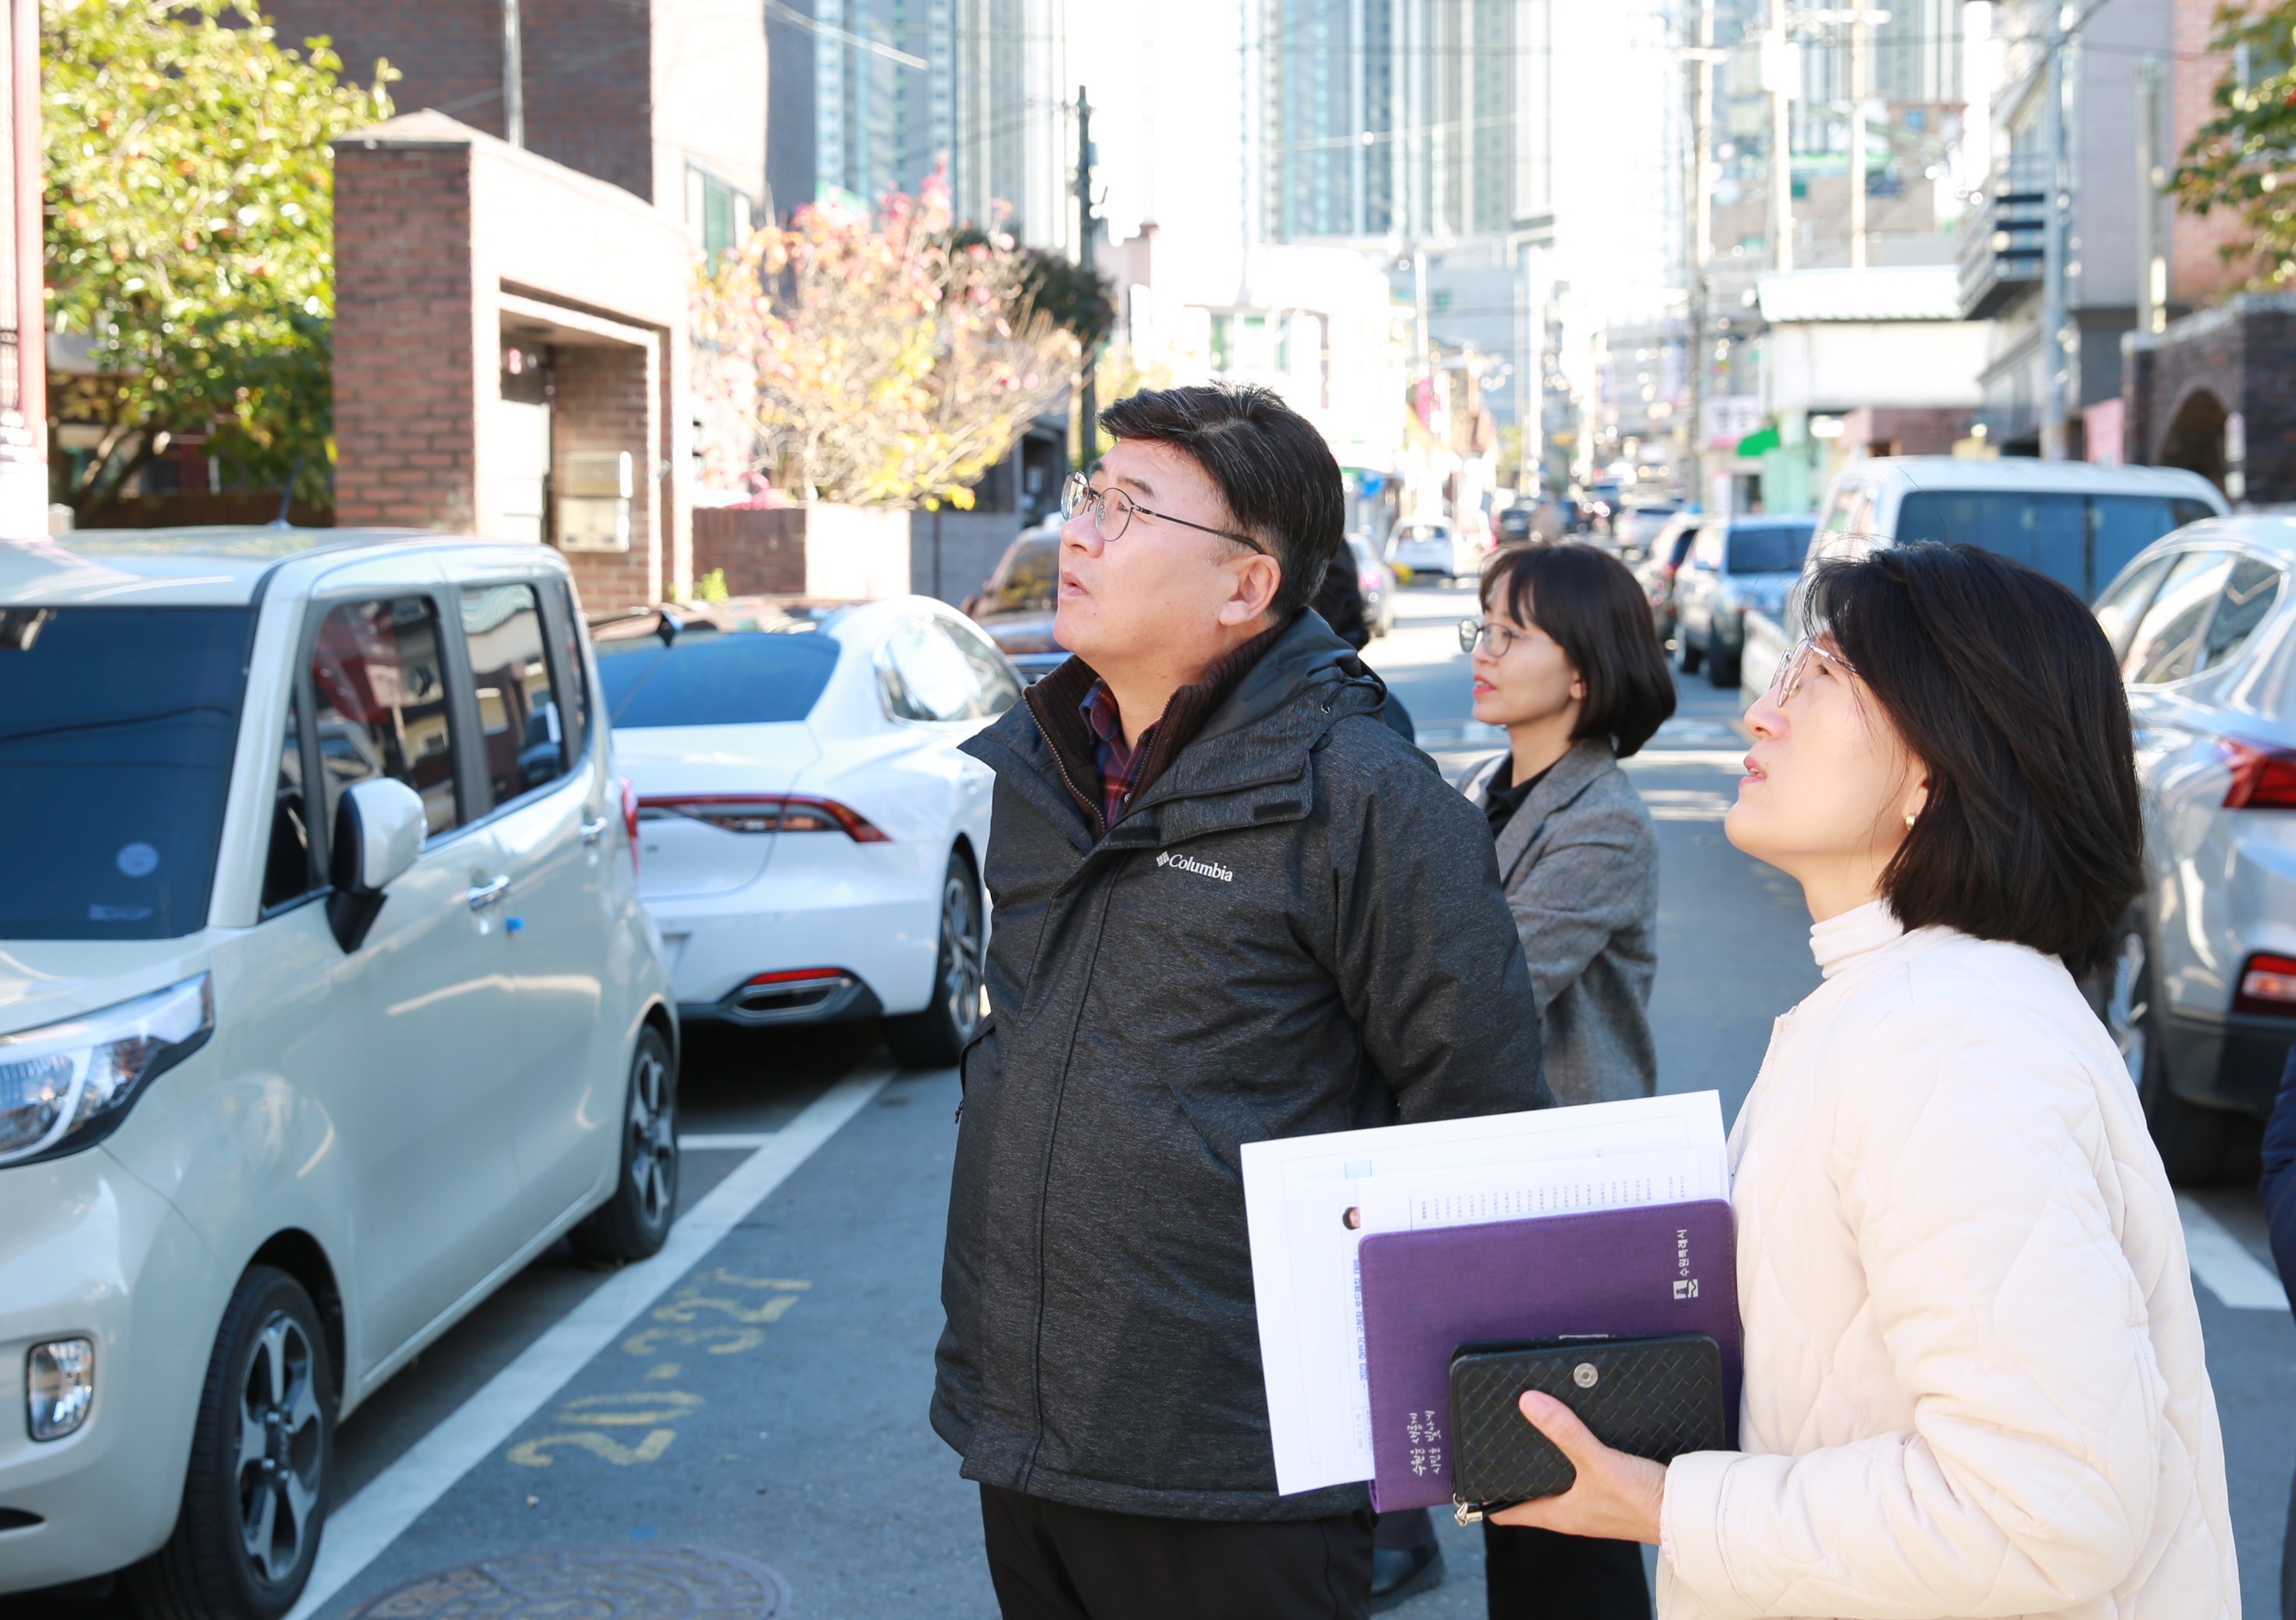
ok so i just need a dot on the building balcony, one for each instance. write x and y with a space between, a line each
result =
2002 248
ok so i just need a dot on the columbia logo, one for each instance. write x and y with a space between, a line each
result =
1202 868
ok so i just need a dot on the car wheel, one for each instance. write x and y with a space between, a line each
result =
634 1221
1687 655
932 1038
255 1496
1721 668
2192 1140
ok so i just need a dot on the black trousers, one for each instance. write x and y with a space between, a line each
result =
1537 1574
1054 1562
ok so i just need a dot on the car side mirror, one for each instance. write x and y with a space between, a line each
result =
380 826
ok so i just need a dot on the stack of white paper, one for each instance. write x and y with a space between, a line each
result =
1309 1200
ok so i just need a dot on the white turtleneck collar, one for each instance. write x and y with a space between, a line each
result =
1839 942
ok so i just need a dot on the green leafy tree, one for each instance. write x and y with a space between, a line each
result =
191 231
2243 158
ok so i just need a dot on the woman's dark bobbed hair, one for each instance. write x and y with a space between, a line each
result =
2001 684
1587 601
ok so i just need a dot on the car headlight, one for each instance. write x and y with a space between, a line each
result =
64 1087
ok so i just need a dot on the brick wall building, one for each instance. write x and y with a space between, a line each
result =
2185 384
505 328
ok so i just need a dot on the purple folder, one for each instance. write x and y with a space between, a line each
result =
1663 1268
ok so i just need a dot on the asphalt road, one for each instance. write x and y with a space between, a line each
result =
762 1388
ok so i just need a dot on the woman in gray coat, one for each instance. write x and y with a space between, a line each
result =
1566 660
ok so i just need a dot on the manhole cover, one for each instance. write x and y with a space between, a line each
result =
592 1583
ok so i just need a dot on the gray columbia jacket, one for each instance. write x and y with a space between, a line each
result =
1580 865
1296 927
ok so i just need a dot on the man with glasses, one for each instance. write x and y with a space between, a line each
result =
1231 904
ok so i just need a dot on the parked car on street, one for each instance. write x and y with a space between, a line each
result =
2075 521
1635 530
1657 568
1376 581
1734 564
1015 606
1539 516
810 838
326 1004
2202 999
1433 545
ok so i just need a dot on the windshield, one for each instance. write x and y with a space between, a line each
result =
116 728
742 678
1768 548
2082 541
1420 531
1028 582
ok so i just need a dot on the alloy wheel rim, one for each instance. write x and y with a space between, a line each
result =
653 1143
282 1438
2124 1013
962 950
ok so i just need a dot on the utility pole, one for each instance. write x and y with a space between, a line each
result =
2054 445
513 76
2151 269
1088 396
1701 232
1857 139
1782 68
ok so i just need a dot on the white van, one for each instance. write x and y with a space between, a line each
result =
2078 523
326 1004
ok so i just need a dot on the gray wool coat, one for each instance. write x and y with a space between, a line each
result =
1579 863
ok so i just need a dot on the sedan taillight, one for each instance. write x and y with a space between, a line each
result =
749 813
2262 777
2268 984
630 821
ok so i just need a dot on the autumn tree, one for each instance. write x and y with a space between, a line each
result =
877 361
2243 158
189 231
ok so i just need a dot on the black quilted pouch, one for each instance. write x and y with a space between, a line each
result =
1650 1398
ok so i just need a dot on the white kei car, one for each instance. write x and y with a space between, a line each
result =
326 1004
809 837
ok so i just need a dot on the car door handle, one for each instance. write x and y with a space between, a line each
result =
486 893
592 831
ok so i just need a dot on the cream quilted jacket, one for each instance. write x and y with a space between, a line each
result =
1974 1381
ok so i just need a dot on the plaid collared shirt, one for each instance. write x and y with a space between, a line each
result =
1120 766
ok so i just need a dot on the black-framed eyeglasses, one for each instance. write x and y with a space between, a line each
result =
1482 633
1113 512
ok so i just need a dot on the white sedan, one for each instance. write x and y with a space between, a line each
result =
809 837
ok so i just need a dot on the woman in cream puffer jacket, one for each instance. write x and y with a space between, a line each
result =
1974 1381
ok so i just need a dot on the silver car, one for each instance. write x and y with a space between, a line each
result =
1735 564
1433 545
2201 998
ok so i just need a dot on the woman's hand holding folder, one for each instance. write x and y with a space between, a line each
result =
1616 1496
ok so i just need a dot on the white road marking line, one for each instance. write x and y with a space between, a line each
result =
366 1527
1661 759
2222 1261
710 1142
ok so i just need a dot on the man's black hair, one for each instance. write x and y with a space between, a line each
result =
1595 612
2004 688
1273 469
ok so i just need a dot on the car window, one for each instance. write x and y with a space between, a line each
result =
1706 547
115 732
1768 548
519 724
1000 687
2248 597
2125 525
925 671
380 704
1028 581
289 870
709 677
2080 541
1851 511
2167 645
2119 609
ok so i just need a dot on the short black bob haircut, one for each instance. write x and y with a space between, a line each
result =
2002 685
1273 469
1587 601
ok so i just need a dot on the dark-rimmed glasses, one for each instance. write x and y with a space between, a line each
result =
1482 632
1112 511
1795 665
